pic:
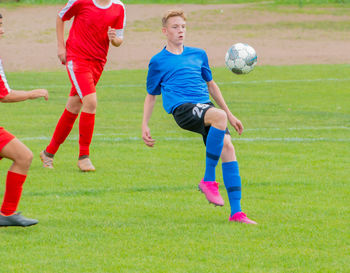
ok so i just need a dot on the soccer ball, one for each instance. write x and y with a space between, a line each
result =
241 58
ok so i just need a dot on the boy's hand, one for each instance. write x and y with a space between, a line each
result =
146 136
112 36
61 54
38 93
236 123
111 33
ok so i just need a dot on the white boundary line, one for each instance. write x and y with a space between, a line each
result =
299 129
188 139
220 83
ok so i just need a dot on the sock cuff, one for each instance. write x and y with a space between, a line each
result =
230 166
15 179
85 114
17 175
69 114
216 131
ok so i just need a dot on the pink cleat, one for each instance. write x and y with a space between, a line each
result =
241 218
211 191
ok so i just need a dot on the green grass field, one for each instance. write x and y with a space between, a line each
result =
141 211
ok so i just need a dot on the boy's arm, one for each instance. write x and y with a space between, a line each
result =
112 35
18 95
61 47
215 92
147 113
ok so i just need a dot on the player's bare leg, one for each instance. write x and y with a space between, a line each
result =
20 155
216 118
86 127
74 104
22 158
228 151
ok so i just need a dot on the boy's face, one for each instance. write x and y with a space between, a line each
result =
1 28
175 30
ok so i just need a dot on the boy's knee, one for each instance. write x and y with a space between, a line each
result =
25 159
219 119
89 105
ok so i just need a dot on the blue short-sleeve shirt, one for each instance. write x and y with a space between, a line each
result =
179 78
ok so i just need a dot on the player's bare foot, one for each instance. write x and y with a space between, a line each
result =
85 165
47 159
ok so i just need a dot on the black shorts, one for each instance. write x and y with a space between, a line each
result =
190 116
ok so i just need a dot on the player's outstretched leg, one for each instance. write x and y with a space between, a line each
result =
208 185
63 128
217 119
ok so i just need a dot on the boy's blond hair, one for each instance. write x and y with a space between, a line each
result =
173 13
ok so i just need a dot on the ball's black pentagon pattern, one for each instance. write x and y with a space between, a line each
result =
237 71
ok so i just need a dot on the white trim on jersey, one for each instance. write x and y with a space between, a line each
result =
3 78
74 79
66 8
103 7
120 32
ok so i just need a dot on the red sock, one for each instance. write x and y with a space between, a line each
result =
14 182
86 129
63 128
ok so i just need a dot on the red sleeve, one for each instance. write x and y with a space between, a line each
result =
69 10
121 20
4 87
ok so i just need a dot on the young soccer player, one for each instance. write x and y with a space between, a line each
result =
97 23
183 76
15 150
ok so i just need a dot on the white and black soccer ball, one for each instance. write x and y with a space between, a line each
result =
241 58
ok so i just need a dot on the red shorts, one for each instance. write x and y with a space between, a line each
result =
5 138
84 75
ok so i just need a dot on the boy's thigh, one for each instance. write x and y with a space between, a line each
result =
5 138
190 116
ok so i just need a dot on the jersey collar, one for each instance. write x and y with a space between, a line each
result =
102 7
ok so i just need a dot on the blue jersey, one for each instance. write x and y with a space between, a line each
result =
179 78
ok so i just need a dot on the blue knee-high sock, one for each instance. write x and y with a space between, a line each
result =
232 182
215 142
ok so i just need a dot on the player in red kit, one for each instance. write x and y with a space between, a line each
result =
97 23
15 150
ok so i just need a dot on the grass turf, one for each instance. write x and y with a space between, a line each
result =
141 212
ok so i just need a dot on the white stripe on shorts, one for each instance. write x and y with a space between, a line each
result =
74 79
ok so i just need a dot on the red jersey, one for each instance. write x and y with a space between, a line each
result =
88 37
4 87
